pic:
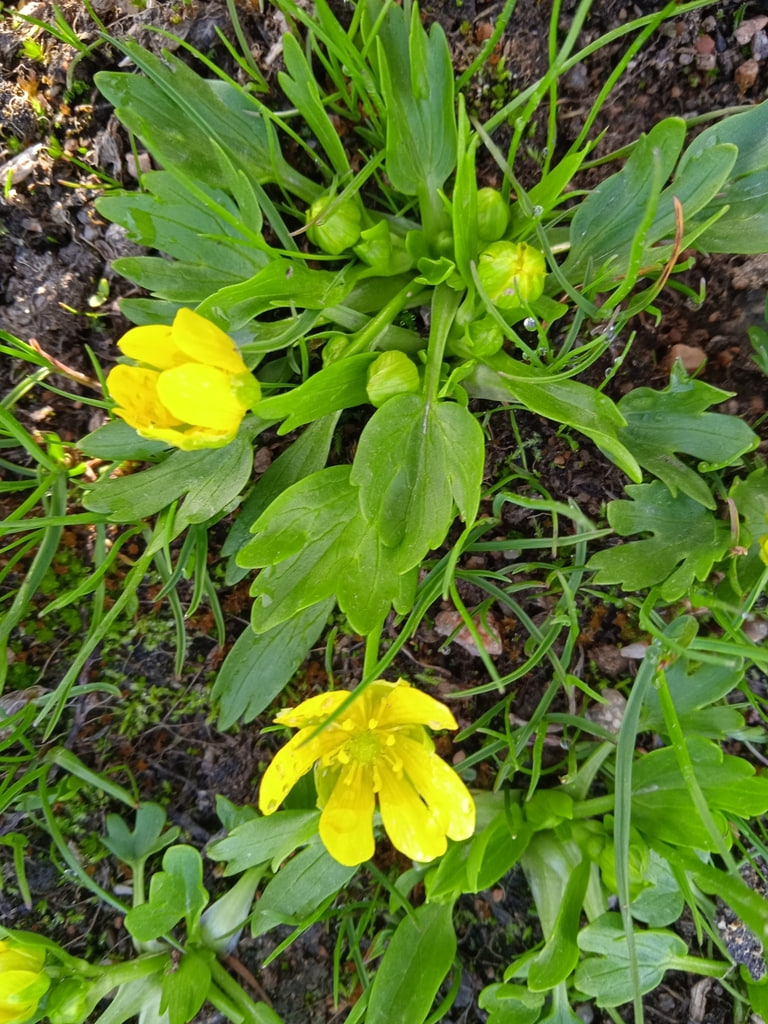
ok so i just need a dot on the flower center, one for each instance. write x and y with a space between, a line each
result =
364 747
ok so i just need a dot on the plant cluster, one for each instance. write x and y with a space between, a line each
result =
307 278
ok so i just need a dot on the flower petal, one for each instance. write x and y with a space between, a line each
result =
402 704
202 396
190 439
346 824
290 763
313 711
134 389
440 787
408 823
206 343
153 345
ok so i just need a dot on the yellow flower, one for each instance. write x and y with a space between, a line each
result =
23 982
378 746
191 388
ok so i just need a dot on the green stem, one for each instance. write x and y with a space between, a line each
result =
445 303
230 990
366 338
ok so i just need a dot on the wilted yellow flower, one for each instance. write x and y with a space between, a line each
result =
23 983
191 388
378 746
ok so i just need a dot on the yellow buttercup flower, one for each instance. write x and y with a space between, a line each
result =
377 747
23 983
191 387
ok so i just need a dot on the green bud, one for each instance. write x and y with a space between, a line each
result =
335 347
336 231
68 1001
512 274
638 864
383 250
393 373
443 244
484 337
492 215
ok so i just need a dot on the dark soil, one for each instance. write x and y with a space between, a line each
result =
58 141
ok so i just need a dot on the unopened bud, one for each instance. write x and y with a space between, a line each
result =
337 230
393 373
492 215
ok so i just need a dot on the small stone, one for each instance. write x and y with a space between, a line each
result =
745 75
706 61
448 621
705 44
760 45
747 29
691 356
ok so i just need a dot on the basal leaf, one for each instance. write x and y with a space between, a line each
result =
417 959
660 423
341 385
686 540
660 797
259 665
299 888
314 542
211 478
414 464
417 85
605 224
608 977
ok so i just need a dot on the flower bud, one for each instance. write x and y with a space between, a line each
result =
23 982
222 922
393 373
512 274
484 337
492 215
337 230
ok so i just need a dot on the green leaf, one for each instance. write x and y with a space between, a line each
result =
210 479
185 986
175 893
307 454
260 840
566 401
418 957
300 87
686 541
560 954
744 226
314 542
692 687
607 977
259 665
341 385
660 797
605 224
751 498
300 888
662 902
207 129
417 84
119 442
415 461
147 836
511 1004
660 423
283 283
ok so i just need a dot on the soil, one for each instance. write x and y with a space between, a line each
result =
60 144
